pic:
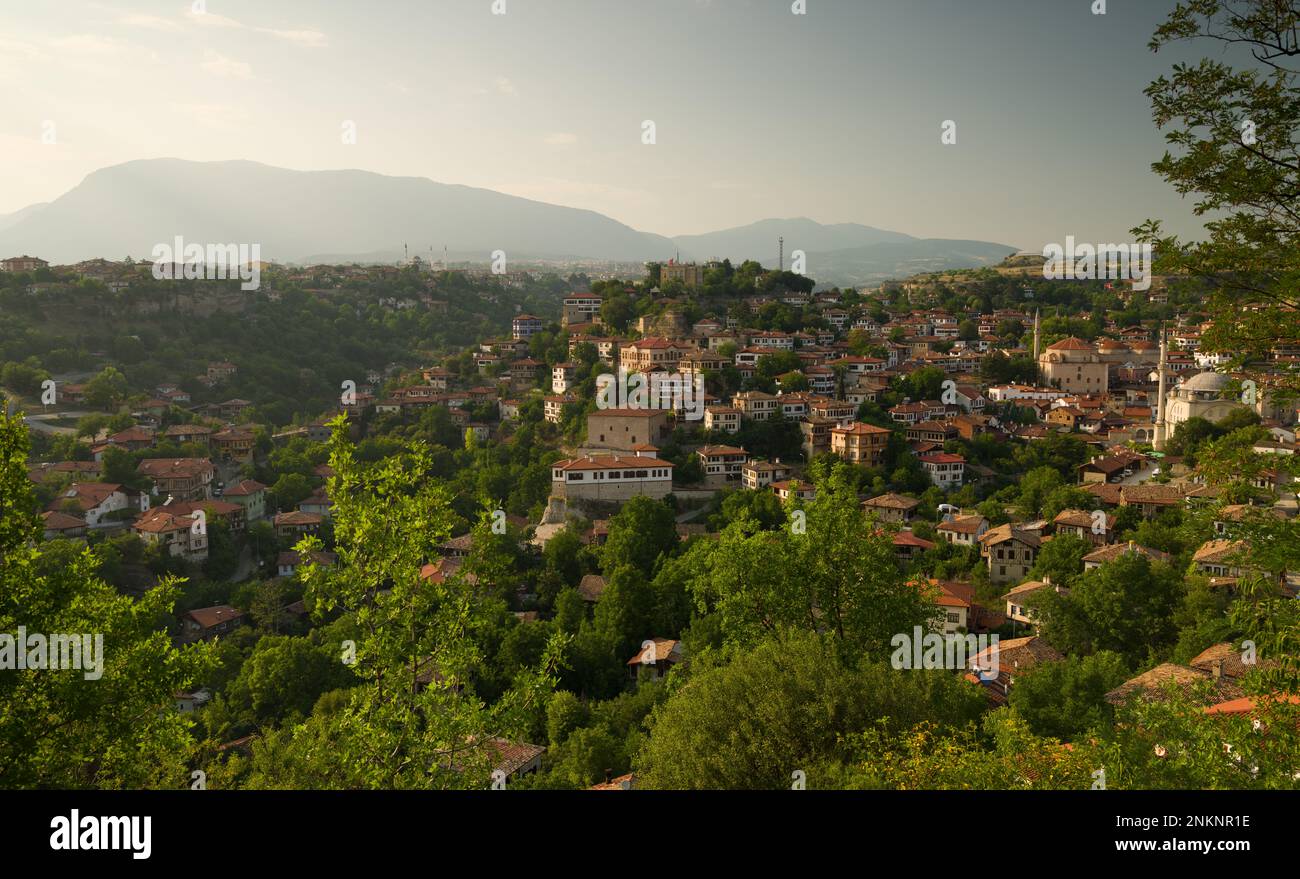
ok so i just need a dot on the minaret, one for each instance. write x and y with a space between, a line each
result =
1159 441
1036 375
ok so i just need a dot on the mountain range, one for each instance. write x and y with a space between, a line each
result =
349 215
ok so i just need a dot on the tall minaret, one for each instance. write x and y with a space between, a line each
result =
1036 374
1159 441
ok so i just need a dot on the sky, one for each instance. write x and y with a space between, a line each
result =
835 114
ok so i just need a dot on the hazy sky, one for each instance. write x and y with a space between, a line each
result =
833 115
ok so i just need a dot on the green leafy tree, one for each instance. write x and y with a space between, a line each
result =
107 389
1126 606
784 706
639 533
412 722
1232 137
58 728
828 570
1068 698
1061 559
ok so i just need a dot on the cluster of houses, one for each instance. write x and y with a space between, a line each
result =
1120 391
174 512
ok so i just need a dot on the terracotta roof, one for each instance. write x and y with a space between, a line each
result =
665 649
1150 685
963 524
159 521
86 495
53 520
606 462
892 501
941 458
207 617
1246 704
622 782
591 587
1220 550
1009 532
296 517
907 538
1152 494
860 428
513 756
1073 343
1227 658
172 468
1080 519
244 487
1105 554
1017 654
722 450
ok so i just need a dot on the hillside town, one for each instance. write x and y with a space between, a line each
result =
1003 452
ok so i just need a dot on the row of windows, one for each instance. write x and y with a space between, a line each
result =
579 476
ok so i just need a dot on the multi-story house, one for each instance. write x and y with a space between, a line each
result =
1097 530
1010 552
756 405
759 474
722 465
185 479
964 530
249 494
647 355
234 444
583 308
724 418
861 443
945 469
612 477
96 502
523 326
180 536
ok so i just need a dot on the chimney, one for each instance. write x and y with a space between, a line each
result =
608 775
1218 669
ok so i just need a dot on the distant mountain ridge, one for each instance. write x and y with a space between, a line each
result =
359 215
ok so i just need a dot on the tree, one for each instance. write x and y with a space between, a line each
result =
638 534
564 713
1061 560
1068 698
63 728
1125 606
411 722
1035 487
284 677
785 706
1232 133
107 389
847 584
